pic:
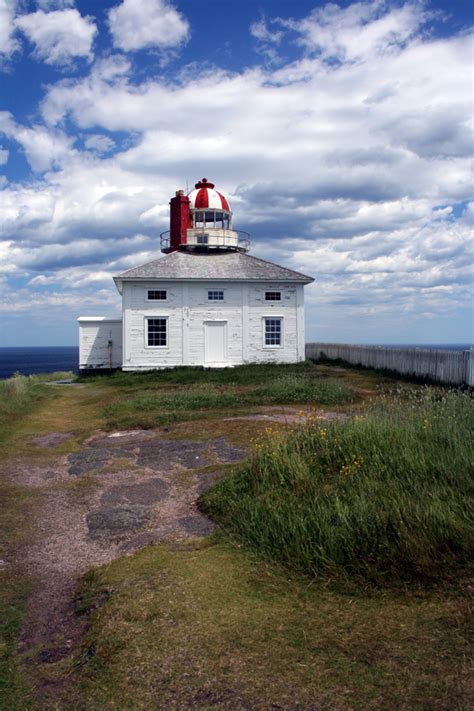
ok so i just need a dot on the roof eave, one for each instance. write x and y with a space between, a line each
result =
119 279
118 283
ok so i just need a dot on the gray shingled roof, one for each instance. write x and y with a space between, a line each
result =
235 266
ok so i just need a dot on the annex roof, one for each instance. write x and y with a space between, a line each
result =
212 265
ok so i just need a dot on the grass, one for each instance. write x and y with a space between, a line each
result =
164 405
250 374
14 590
20 395
385 496
221 623
208 626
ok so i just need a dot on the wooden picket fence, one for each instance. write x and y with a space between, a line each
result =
443 366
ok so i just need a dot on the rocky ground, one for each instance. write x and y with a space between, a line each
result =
122 491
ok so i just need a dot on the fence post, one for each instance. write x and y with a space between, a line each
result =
470 367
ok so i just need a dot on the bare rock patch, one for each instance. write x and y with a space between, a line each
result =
145 493
115 520
164 454
89 460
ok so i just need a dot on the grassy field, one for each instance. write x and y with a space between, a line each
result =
338 580
209 626
171 404
387 495
19 396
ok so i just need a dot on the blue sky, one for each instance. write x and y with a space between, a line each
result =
341 134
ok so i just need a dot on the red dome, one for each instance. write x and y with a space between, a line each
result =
204 196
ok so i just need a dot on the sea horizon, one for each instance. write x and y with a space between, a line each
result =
31 360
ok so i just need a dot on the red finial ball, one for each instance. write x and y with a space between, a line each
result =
204 184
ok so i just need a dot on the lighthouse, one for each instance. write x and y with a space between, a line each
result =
205 302
202 220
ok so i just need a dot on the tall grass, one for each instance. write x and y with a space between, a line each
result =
162 405
20 394
386 494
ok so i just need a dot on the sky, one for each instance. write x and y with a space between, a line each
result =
341 134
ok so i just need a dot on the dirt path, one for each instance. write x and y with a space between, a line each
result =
119 493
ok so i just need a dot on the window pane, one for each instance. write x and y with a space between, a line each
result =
273 331
157 295
198 218
215 296
202 238
210 219
156 331
273 296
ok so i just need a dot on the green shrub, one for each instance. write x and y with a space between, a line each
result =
386 494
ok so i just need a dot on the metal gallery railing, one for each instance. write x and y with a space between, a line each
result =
224 241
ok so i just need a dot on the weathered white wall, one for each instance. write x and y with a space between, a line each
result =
197 310
257 309
136 354
187 309
95 335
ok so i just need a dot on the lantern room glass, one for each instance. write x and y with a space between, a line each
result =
219 219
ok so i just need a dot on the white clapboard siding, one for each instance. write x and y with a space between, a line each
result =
287 309
100 343
136 309
187 309
444 366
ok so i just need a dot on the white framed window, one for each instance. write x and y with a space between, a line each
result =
156 332
202 238
215 295
157 295
273 296
272 332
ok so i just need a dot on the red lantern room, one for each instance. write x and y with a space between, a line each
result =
202 221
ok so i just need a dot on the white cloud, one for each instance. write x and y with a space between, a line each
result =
361 30
354 171
8 44
261 31
267 39
143 24
4 153
99 143
59 36
59 301
44 148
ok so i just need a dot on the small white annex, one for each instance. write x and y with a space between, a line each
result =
206 302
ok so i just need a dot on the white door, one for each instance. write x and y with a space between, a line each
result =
215 341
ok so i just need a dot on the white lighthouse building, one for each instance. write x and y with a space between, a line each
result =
206 302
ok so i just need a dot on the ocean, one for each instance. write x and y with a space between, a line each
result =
31 360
